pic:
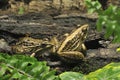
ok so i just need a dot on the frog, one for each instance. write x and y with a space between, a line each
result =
29 45
70 49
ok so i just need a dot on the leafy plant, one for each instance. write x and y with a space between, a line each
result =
20 67
109 18
71 76
93 6
109 72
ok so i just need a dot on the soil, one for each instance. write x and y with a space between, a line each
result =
41 25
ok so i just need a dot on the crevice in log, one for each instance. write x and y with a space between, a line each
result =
94 44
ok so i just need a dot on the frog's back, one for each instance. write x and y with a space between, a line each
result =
74 41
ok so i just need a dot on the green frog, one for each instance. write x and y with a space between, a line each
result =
72 48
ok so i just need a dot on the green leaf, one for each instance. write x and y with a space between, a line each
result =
109 29
116 39
109 72
15 75
93 6
24 68
98 5
49 76
100 23
71 76
3 69
110 11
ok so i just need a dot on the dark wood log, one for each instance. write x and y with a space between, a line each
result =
13 27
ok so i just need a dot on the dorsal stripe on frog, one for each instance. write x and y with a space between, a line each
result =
74 39
75 43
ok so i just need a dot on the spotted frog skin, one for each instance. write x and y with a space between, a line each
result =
30 45
72 48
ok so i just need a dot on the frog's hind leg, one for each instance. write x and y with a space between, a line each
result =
72 55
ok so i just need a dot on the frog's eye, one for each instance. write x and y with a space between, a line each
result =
84 29
43 45
32 43
45 39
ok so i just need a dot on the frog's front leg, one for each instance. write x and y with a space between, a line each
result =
83 49
73 55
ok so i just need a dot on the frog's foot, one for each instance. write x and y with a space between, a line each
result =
55 43
32 55
71 56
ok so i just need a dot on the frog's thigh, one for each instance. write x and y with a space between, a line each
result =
72 54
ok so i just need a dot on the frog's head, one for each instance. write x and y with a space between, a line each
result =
83 30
